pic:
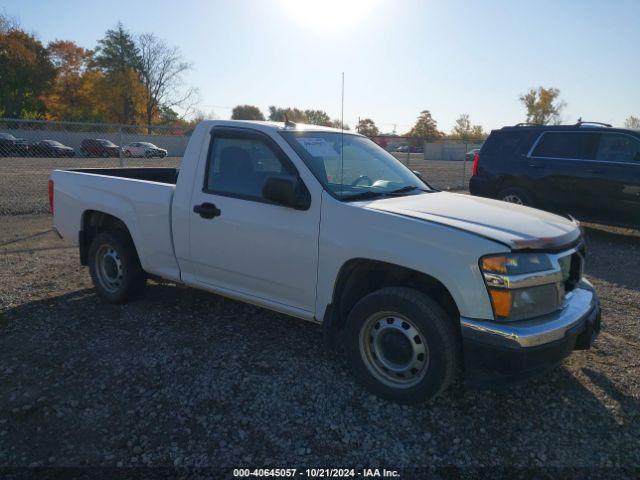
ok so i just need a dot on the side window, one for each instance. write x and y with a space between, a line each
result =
569 145
615 147
503 143
240 166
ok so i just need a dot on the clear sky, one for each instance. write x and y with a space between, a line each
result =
399 57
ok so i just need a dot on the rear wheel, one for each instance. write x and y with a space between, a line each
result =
115 268
401 345
516 195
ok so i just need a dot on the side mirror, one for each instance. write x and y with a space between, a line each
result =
417 174
286 191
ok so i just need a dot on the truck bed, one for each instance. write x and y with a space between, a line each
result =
139 197
152 174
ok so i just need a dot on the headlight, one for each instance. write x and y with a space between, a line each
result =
522 285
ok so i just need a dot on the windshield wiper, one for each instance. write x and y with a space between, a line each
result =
364 195
407 188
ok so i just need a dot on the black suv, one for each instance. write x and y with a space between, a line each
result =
589 170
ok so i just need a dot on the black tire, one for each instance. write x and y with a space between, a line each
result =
516 195
120 277
435 331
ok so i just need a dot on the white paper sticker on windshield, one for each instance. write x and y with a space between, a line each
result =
317 147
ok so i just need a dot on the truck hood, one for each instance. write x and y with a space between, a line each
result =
521 228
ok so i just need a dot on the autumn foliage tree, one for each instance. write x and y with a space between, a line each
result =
73 95
118 58
543 105
367 127
246 112
464 130
279 114
26 72
425 127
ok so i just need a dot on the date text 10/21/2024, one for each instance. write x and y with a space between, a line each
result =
317 472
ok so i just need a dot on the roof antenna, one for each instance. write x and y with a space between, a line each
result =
287 123
342 136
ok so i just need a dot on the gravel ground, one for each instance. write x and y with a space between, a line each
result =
183 377
23 180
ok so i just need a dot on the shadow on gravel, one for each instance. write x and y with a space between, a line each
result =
26 237
186 377
624 267
629 405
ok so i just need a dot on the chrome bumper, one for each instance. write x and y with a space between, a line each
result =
577 306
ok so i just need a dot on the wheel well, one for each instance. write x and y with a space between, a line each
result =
511 181
93 223
359 277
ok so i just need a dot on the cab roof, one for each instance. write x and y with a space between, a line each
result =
275 126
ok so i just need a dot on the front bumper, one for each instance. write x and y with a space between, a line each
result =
498 353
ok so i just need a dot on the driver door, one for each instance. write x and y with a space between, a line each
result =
250 247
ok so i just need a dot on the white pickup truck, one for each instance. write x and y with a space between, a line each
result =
326 226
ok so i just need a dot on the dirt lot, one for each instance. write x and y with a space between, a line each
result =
23 181
187 378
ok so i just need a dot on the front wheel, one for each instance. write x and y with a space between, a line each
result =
115 268
401 345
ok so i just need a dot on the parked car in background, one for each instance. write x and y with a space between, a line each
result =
589 170
328 227
410 149
10 145
50 148
99 147
471 154
144 149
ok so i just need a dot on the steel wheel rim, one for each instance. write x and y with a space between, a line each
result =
109 269
394 350
513 199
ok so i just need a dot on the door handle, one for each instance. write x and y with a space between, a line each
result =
207 210
535 165
595 171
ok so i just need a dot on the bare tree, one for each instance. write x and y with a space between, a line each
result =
161 71
632 122
8 23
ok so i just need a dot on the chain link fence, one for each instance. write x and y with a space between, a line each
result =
445 164
31 149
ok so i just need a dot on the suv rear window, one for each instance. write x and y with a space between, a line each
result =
616 147
567 145
503 142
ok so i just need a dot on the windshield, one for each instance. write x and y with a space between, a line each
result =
353 167
53 143
147 144
7 136
107 143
